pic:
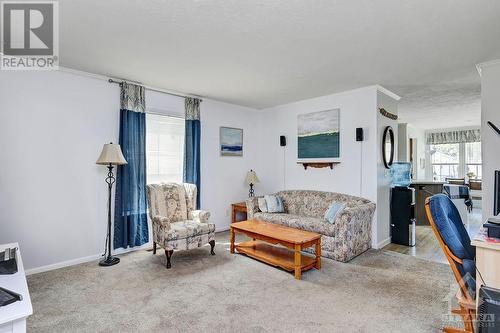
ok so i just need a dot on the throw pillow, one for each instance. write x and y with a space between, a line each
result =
335 209
262 205
274 204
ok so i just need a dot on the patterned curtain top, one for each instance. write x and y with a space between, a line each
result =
471 135
132 97
192 106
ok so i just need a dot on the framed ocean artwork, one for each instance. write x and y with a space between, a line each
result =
319 136
231 141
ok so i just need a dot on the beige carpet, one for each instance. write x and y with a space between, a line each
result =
379 291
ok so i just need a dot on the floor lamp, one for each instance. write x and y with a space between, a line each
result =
111 155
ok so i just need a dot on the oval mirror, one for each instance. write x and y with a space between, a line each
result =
388 147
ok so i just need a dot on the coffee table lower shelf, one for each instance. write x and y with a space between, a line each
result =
275 255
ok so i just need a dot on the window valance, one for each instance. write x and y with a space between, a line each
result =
470 135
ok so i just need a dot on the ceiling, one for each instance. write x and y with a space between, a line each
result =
453 103
262 53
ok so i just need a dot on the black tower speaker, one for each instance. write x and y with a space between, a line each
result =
282 141
359 134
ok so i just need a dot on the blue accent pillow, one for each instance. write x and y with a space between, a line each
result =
335 209
274 204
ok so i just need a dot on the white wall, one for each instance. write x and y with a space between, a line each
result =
490 111
419 135
53 196
383 232
358 108
402 137
53 125
222 178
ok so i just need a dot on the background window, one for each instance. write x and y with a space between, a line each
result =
473 161
164 148
456 160
445 161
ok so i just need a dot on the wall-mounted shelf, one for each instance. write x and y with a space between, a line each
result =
318 164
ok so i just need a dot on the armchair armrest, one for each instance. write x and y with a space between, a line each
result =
252 207
201 216
161 221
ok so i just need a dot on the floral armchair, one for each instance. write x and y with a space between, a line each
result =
177 225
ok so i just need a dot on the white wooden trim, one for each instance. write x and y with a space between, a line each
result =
62 264
485 64
384 243
387 92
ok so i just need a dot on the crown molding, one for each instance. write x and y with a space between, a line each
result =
387 92
485 64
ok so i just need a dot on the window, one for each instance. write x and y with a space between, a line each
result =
473 161
456 160
164 148
445 161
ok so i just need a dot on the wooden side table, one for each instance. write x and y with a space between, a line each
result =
240 207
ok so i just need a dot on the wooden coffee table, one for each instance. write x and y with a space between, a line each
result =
264 234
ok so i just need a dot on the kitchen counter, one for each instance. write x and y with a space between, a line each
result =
423 190
425 182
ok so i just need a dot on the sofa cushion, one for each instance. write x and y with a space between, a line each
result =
313 224
188 228
262 205
332 212
315 203
274 204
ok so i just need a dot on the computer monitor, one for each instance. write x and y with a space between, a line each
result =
496 204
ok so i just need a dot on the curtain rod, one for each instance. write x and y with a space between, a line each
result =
156 89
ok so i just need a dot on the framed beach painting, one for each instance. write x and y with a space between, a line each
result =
231 141
319 136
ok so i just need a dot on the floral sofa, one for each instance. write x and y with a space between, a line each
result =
347 237
177 225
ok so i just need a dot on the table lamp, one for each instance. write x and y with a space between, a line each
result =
111 155
251 180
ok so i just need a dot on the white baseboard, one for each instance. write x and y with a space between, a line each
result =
62 264
384 243
82 260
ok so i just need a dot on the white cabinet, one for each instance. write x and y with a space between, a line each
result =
13 316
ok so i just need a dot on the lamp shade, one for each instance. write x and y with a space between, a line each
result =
252 178
111 154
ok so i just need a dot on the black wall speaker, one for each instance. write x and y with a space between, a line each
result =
359 134
282 141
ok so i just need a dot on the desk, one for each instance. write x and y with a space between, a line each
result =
240 207
13 316
487 261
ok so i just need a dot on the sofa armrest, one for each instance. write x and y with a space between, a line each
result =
363 211
354 224
162 221
252 207
201 216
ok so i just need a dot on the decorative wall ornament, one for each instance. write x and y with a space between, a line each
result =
231 141
388 147
387 114
319 136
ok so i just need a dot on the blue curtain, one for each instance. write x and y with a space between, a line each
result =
192 145
131 223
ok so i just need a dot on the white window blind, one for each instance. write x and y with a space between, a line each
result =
164 148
